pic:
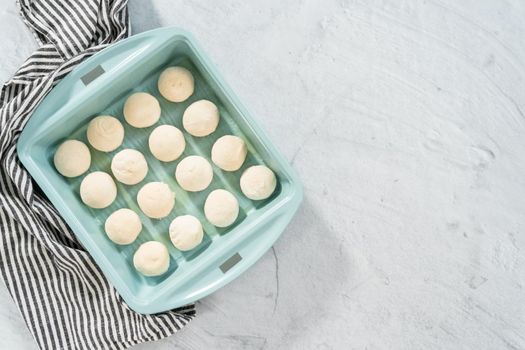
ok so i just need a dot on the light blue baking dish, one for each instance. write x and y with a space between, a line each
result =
99 86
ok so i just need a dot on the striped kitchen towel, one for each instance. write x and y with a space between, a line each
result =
65 300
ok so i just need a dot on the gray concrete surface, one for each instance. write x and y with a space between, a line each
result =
406 121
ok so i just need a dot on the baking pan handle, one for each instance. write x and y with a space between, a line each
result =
117 57
95 71
232 264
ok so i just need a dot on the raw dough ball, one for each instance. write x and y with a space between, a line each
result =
156 200
152 259
166 143
176 84
72 158
229 152
258 182
141 110
186 232
194 173
105 133
123 226
98 190
201 118
129 166
221 208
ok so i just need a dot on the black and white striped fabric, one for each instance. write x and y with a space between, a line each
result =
65 300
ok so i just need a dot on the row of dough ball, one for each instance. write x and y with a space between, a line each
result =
193 173
106 133
142 110
201 118
156 200
175 84
166 143
152 258
123 226
186 232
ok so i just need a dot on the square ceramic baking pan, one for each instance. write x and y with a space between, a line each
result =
100 85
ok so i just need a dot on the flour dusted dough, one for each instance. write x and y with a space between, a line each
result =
141 110
156 199
186 232
194 173
166 143
72 158
201 118
98 190
229 152
176 84
129 166
105 133
258 182
221 208
123 226
152 259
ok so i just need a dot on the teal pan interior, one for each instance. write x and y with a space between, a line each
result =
134 65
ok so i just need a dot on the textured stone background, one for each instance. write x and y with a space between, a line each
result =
406 122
